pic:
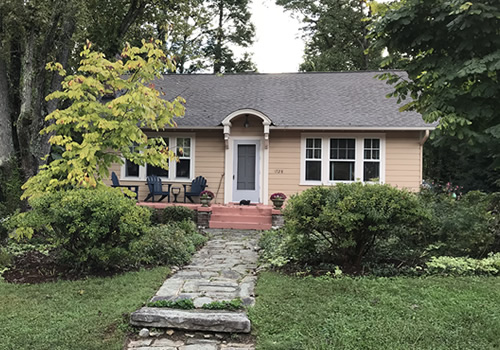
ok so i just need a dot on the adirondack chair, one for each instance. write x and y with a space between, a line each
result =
197 186
156 189
116 183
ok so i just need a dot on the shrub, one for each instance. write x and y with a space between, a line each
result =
170 244
176 214
465 227
344 222
91 228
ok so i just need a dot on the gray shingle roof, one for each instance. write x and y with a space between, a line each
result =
349 99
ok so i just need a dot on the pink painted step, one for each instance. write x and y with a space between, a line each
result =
236 217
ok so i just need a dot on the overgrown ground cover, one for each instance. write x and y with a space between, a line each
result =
85 314
377 313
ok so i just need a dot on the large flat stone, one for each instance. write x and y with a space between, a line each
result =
195 320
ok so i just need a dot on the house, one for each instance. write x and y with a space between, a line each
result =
251 135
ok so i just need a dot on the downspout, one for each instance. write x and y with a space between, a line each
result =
424 138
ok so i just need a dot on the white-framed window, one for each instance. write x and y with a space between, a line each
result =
331 158
181 170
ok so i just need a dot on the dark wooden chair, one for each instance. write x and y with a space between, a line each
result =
156 189
197 186
116 183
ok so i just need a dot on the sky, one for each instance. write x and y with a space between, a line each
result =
278 46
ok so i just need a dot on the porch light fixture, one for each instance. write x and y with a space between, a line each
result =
246 124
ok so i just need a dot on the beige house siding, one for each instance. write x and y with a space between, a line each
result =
403 155
403 167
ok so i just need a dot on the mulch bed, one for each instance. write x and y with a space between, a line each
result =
34 267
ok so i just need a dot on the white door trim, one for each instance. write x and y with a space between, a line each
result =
263 168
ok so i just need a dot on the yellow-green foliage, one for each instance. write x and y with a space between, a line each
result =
94 133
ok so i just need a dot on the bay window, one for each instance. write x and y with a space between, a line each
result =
330 158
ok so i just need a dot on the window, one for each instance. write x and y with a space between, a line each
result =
332 158
371 164
342 159
182 170
313 159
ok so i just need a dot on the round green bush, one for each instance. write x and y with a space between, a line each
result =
91 228
343 223
176 214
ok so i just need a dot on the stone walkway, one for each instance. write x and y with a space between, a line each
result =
223 270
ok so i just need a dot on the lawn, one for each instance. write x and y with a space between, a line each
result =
74 315
384 313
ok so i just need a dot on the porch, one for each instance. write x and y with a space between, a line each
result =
230 216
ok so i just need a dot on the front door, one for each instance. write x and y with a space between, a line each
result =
246 171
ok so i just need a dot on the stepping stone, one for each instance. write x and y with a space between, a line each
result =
194 320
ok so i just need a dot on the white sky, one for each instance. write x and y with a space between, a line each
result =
278 47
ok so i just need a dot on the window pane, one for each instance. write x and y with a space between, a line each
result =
342 149
342 154
154 170
368 154
368 143
341 171
309 153
313 171
351 143
375 154
183 147
317 154
131 169
351 154
309 143
317 143
183 168
371 171
375 143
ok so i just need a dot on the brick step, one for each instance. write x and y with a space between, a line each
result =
193 320
239 225
258 219
246 210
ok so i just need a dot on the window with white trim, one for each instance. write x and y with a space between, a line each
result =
330 158
313 159
180 170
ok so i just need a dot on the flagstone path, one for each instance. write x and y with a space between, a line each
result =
223 270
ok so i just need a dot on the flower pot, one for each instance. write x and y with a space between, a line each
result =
205 202
278 203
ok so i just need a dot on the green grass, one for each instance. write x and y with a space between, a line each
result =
73 315
385 313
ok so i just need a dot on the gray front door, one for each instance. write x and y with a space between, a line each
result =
246 174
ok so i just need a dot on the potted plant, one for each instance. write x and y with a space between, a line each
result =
206 197
278 199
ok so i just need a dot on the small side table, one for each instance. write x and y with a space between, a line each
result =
175 192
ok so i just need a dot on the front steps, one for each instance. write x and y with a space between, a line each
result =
251 217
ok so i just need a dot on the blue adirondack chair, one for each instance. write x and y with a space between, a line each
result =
116 183
156 189
197 186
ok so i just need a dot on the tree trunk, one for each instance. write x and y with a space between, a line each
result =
218 41
6 137
29 164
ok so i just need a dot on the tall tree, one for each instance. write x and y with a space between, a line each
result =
231 25
33 33
451 51
335 32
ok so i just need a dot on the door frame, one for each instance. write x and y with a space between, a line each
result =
257 145
263 167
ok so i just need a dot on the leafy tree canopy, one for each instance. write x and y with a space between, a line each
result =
335 33
95 130
451 51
